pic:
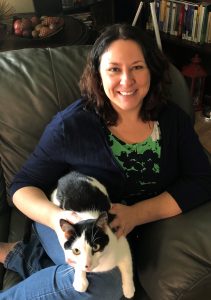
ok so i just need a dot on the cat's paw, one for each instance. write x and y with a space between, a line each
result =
128 290
81 286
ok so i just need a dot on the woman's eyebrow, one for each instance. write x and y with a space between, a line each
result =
135 62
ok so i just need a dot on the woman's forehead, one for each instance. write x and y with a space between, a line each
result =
120 50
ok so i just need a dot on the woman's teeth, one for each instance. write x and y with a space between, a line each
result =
126 93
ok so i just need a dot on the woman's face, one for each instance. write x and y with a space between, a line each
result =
125 75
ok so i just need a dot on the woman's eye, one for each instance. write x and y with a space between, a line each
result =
76 251
96 247
138 67
114 69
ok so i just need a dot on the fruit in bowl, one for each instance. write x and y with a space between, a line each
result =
17 27
35 27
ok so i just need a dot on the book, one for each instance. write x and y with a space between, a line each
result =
170 14
208 33
176 21
189 22
200 21
163 4
157 9
166 20
181 20
173 16
194 23
197 25
207 9
184 22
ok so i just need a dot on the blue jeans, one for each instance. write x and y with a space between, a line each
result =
46 276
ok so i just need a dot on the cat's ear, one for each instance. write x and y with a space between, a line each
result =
102 220
67 228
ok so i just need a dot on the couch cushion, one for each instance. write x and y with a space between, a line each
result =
174 256
35 84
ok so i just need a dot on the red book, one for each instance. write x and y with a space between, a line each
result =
181 20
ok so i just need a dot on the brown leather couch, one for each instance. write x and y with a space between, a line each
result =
174 254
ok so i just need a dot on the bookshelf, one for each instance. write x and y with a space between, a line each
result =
190 21
181 39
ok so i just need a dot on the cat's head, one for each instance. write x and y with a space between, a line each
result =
86 241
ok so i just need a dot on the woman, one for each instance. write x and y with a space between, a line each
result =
119 132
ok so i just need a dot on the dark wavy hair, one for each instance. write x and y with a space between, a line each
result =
90 84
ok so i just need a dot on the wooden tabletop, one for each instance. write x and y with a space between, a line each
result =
74 32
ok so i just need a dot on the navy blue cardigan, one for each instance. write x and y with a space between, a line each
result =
76 139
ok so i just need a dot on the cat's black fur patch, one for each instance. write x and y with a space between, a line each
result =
74 192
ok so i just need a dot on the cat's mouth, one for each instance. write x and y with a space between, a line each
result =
89 269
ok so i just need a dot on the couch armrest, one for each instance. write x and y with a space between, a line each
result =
4 219
4 225
12 223
175 256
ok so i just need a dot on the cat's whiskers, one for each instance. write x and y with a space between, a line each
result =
94 241
94 235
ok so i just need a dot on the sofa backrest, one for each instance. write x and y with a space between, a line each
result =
34 84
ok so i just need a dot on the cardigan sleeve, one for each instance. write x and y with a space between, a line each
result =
192 183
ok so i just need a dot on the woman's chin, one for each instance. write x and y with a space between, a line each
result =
128 107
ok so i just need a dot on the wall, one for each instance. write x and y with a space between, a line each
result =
22 5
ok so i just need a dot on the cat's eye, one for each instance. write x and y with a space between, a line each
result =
76 251
96 247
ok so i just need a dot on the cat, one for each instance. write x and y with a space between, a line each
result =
90 243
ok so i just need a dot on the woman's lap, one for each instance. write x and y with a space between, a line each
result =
56 283
51 278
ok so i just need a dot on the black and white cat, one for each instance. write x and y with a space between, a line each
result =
90 243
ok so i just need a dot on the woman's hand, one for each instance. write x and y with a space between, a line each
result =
157 208
124 221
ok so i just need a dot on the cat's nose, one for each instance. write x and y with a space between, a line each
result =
88 268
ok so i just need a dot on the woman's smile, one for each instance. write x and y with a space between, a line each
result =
124 93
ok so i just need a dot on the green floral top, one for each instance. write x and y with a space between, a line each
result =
139 161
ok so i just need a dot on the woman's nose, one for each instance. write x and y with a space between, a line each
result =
127 78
